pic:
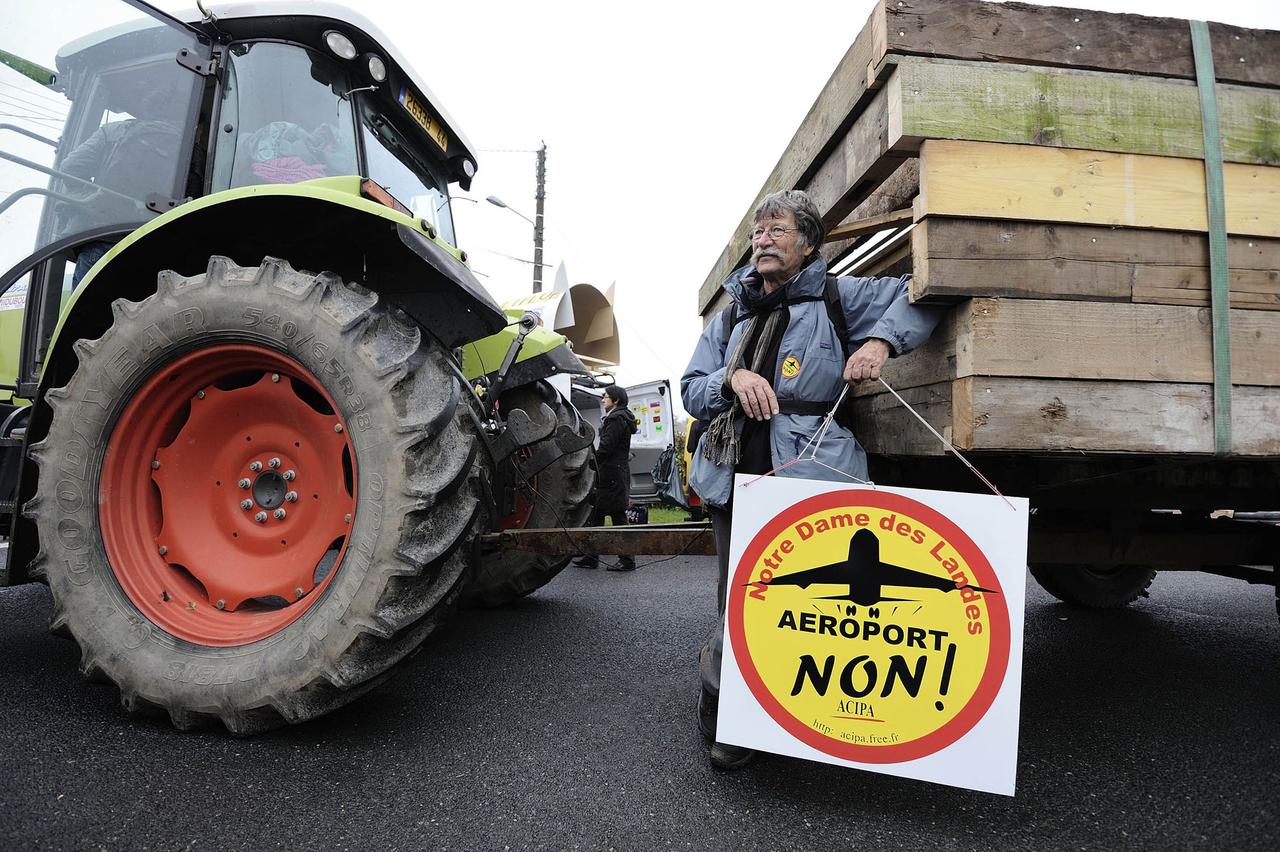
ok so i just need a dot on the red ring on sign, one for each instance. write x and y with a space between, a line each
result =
983 575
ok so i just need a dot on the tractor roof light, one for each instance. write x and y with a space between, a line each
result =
340 44
468 168
377 68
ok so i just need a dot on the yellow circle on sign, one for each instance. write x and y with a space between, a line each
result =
869 626
791 367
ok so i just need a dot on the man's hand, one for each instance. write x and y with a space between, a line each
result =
755 394
867 361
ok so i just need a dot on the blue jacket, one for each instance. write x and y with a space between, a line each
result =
874 307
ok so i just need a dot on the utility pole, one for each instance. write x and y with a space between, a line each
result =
540 197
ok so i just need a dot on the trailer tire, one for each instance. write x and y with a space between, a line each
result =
1095 587
223 389
561 495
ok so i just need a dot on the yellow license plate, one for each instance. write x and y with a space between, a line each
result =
424 119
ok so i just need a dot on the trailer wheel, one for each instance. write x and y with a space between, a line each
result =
561 495
256 496
1095 587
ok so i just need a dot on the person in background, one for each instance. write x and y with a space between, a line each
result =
765 372
613 458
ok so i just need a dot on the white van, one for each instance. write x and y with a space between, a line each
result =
651 403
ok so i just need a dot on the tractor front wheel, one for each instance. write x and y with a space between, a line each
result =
561 495
256 495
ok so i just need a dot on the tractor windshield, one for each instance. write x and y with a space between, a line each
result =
285 117
97 104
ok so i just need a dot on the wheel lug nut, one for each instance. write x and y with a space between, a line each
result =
275 377
261 517
273 464
278 514
291 497
246 504
163 550
337 427
255 466
346 518
221 604
199 394
155 464
289 475
245 483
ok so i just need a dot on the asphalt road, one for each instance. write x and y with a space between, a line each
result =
567 721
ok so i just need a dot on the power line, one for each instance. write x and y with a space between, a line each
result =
51 123
57 101
38 106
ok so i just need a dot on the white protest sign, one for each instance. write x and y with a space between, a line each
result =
877 628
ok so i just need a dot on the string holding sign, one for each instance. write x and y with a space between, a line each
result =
815 442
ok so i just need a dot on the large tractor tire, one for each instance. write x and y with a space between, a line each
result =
1095 587
561 495
257 495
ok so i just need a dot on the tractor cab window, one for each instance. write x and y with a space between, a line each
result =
285 118
400 167
96 118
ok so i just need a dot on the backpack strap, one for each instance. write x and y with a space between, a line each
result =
835 313
729 318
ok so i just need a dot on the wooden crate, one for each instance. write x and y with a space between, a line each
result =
1049 164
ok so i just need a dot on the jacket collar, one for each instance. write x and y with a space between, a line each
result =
809 281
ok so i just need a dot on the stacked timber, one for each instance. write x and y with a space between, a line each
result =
1042 171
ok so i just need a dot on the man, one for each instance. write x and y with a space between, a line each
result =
129 157
766 371
613 459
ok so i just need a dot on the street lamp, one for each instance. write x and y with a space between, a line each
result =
537 239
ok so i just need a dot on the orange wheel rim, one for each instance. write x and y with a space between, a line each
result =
227 495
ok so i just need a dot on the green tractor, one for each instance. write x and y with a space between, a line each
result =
256 410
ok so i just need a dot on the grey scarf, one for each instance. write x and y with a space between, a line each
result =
720 443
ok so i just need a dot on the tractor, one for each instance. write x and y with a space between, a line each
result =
257 412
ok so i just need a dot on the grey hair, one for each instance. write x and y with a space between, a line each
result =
801 207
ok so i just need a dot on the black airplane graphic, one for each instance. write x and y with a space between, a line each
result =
864 573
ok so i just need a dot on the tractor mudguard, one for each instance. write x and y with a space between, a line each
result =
320 224
545 353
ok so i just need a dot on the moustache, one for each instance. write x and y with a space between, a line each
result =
767 252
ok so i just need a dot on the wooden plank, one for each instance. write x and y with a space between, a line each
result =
898 190
894 253
1087 340
871 225
1065 108
857 165
1076 38
996 181
1149 417
956 258
1050 416
884 426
